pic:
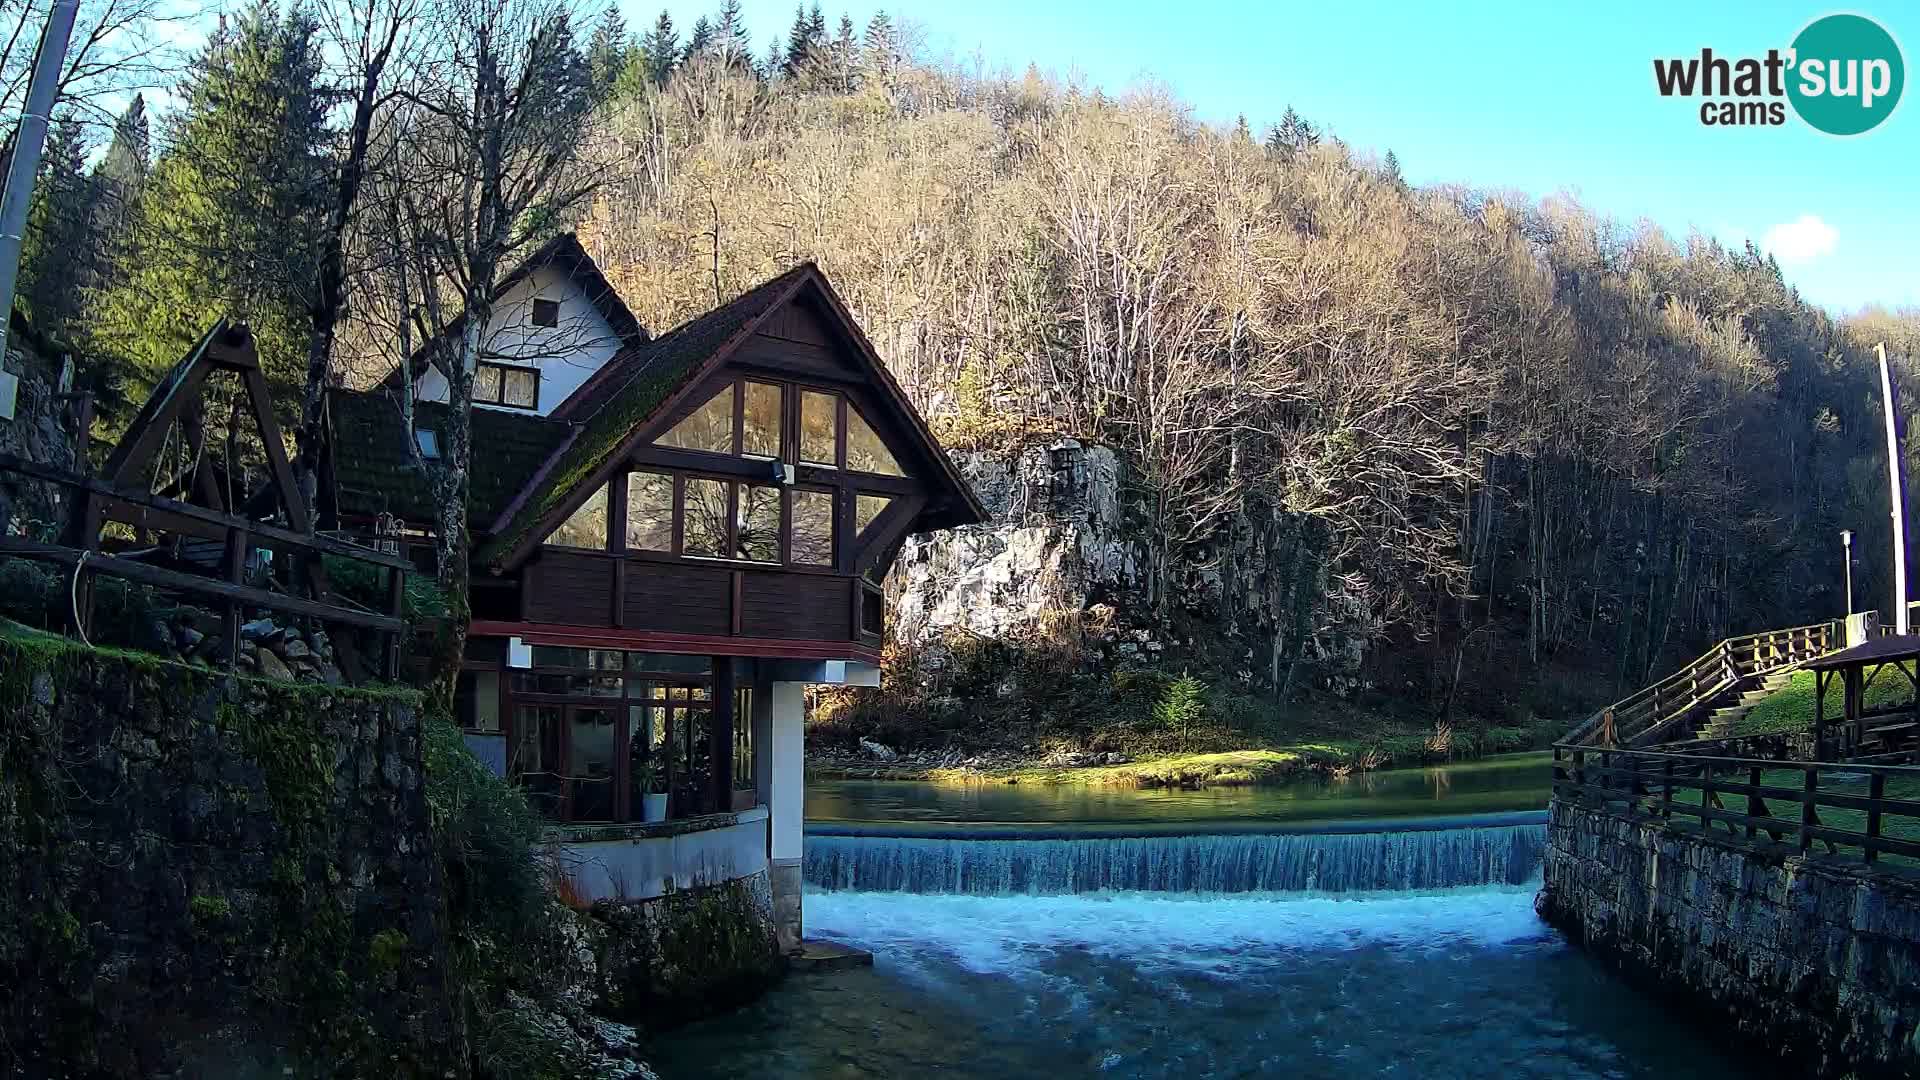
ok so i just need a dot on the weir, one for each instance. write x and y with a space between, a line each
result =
1378 858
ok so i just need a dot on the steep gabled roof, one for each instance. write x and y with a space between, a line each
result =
661 367
676 362
373 470
565 253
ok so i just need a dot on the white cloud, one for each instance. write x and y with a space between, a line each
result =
1804 240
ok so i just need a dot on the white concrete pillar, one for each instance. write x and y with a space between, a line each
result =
786 801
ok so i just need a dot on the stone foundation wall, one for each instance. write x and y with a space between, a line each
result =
1811 960
210 875
685 953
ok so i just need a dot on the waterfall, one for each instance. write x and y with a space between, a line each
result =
1236 862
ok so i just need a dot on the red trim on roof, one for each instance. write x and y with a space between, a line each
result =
590 637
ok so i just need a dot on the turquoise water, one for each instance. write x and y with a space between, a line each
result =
1231 935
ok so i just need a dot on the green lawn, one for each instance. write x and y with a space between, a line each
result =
1788 811
1791 707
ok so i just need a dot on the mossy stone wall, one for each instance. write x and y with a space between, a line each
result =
205 874
687 953
1812 961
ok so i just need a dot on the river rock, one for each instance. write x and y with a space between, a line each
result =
295 649
878 751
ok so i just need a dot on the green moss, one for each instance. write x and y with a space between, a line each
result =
207 910
387 951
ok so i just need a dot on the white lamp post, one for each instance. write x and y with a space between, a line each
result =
1846 543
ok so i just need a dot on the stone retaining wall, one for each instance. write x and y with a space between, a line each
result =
210 875
1813 961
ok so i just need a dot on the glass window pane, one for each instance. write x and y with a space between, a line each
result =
865 451
758 534
484 712
590 734
865 509
760 423
709 428
674 662
819 427
705 528
486 384
559 656
519 386
649 512
587 527
812 528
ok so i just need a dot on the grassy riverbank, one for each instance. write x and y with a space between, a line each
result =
1791 707
1260 758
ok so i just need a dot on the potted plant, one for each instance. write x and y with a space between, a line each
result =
651 779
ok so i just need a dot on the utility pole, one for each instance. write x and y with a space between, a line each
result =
28 140
1896 493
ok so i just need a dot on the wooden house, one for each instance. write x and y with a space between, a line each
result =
671 536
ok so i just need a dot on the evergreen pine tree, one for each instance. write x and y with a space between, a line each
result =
799 41
607 53
1390 170
227 223
774 65
882 48
660 49
730 36
1291 135
816 29
701 39
60 248
1241 132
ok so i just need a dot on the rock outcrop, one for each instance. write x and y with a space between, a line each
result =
1067 555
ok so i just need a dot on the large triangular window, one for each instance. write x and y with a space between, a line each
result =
710 427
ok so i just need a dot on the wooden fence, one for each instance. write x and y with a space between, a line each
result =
237 536
1647 713
1861 818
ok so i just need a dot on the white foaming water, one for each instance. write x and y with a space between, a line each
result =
1241 932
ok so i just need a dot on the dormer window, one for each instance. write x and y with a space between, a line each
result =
503 384
545 313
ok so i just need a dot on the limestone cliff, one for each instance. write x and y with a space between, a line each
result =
1067 556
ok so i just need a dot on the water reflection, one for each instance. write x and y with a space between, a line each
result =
1505 783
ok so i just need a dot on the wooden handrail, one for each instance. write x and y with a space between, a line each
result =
1731 660
1643 783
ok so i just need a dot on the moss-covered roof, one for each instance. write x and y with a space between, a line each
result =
659 368
374 472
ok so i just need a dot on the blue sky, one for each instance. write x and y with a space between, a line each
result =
1538 97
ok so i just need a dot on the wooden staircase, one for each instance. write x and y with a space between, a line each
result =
1749 693
1712 692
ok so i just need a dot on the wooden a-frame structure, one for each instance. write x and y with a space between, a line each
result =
234 526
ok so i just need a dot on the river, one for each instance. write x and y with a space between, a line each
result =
1335 930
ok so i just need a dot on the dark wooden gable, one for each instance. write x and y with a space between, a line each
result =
793 327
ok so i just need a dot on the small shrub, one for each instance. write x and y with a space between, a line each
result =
485 833
1182 707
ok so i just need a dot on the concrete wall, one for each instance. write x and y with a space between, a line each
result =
639 862
566 354
1814 960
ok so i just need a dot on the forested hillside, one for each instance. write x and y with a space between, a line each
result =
1507 437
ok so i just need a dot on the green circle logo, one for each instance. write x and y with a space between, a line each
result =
1847 74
